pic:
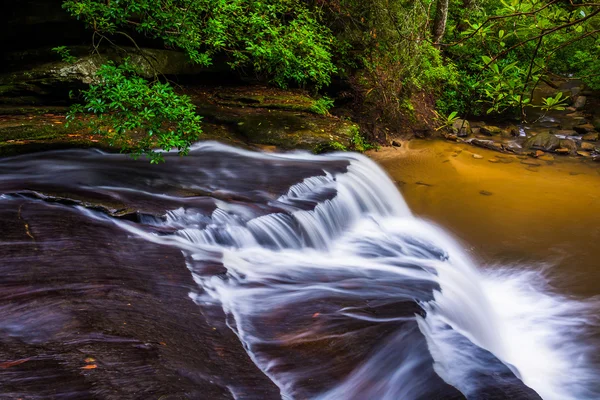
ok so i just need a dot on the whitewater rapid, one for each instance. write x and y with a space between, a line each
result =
339 263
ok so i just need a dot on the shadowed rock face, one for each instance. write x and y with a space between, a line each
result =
74 290
95 306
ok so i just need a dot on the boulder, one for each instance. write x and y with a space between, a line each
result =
542 141
490 130
568 144
461 128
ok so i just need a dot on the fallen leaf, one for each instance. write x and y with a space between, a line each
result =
8 364
91 366
89 360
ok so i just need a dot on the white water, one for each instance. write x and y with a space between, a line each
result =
314 271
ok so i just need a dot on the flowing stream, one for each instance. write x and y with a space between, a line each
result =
334 289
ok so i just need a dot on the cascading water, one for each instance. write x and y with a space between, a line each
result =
338 292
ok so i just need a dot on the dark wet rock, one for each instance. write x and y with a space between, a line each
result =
511 131
462 128
490 130
580 102
396 143
90 294
51 82
585 128
575 91
542 141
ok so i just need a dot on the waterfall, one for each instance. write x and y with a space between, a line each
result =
338 292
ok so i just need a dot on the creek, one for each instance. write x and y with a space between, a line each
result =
245 275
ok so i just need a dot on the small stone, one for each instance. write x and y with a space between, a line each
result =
451 137
396 143
493 160
583 153
477 156
485 193
587 146
592 136
562 150
530 162
539 153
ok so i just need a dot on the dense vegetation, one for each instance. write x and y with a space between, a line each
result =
474 57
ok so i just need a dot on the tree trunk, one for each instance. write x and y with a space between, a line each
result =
439 24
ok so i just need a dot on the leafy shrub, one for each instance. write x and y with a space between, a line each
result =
322 106
139 115
282 39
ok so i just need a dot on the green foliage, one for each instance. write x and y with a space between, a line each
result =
322 106
446 121
359 143
329 147
137 114
505 49
282 39
65 54
558 102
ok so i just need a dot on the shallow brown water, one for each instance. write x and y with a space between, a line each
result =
507 212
